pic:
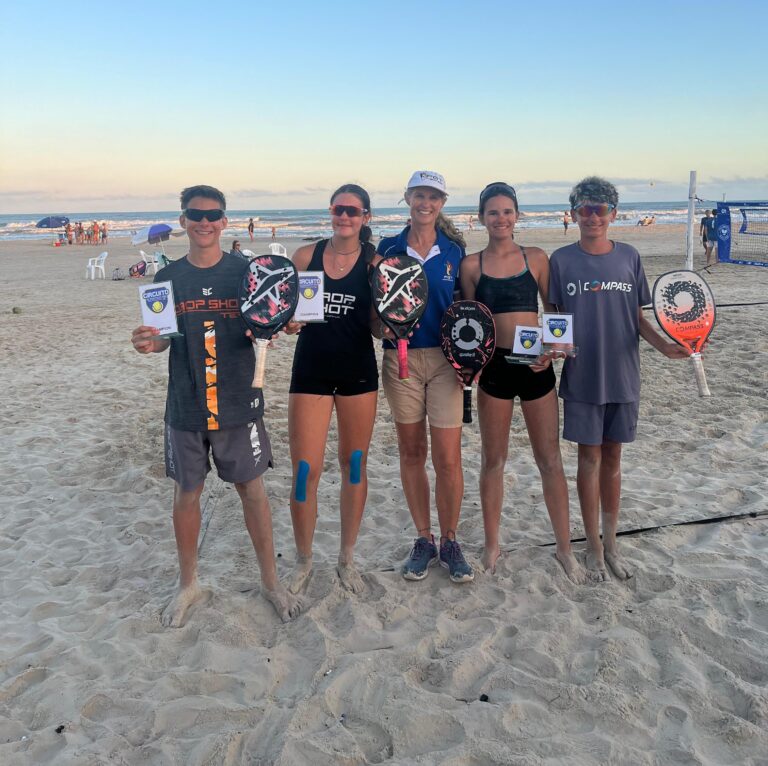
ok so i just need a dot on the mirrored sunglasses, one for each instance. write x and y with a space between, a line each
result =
194 214
350 210
602 209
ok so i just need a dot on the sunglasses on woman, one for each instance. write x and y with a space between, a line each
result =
194 214
350 210
601 210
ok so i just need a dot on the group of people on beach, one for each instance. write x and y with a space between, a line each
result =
212 407
92 234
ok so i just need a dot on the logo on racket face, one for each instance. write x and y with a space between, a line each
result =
156 299
467 334
557 327
398 300
270 290
683 302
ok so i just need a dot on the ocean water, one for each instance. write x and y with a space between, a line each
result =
312 223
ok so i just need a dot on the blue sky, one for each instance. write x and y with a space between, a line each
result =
117 108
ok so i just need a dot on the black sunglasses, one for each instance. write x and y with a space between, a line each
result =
350 210
194 214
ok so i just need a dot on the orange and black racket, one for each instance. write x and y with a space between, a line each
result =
685 309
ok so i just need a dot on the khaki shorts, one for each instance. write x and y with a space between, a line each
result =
433 390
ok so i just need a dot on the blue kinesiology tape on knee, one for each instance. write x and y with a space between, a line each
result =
301 481
354 466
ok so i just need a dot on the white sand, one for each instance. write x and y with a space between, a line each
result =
671 667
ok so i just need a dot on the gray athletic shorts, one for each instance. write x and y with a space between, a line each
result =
241 453
594 424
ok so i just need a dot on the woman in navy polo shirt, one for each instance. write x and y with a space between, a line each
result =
432 396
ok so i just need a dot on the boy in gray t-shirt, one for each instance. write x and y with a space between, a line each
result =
602 283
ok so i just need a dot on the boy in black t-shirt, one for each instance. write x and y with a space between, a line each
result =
211 405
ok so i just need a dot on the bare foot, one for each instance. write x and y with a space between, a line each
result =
489 557
596 566
350 577
573 570
286 604
301 574
173 614
618 564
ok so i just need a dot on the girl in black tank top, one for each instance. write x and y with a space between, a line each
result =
334 367
502 382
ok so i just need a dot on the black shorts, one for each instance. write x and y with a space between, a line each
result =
306 384
504 380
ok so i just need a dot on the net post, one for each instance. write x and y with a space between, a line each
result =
691 215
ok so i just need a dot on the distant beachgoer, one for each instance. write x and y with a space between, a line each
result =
250 228
236 249
471 219
96 237
703 230
70 233
600 386
566 221
274 232
711 249
103 232
211 406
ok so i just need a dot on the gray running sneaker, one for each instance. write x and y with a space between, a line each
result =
452 559
423 555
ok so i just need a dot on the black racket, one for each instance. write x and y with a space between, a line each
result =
268 294
400 291
468 338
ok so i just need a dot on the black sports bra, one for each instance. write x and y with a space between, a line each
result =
505 294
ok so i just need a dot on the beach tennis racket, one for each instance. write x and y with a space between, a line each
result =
400 290
268 294
468 338
685 309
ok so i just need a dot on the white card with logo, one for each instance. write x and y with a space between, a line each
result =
557 329
158 308
310 305
527 340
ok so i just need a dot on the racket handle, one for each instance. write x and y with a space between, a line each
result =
701 378
467 404
260 351
402 359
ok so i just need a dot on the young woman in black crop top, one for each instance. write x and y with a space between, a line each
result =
509 278
334 366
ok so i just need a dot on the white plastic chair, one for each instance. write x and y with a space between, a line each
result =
96 264
150 260
248 253
277 249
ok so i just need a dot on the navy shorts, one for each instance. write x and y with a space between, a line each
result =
594 424
503 380
305 384
241 453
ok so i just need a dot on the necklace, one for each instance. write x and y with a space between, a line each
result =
338 252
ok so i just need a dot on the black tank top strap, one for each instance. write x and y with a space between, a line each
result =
525 257
316 262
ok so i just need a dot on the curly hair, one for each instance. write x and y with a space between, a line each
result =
593 189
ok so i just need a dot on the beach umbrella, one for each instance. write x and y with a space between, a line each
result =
52 222
155 234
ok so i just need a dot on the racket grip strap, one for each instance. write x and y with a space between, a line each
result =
467 404
402 358
260 351
701 378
